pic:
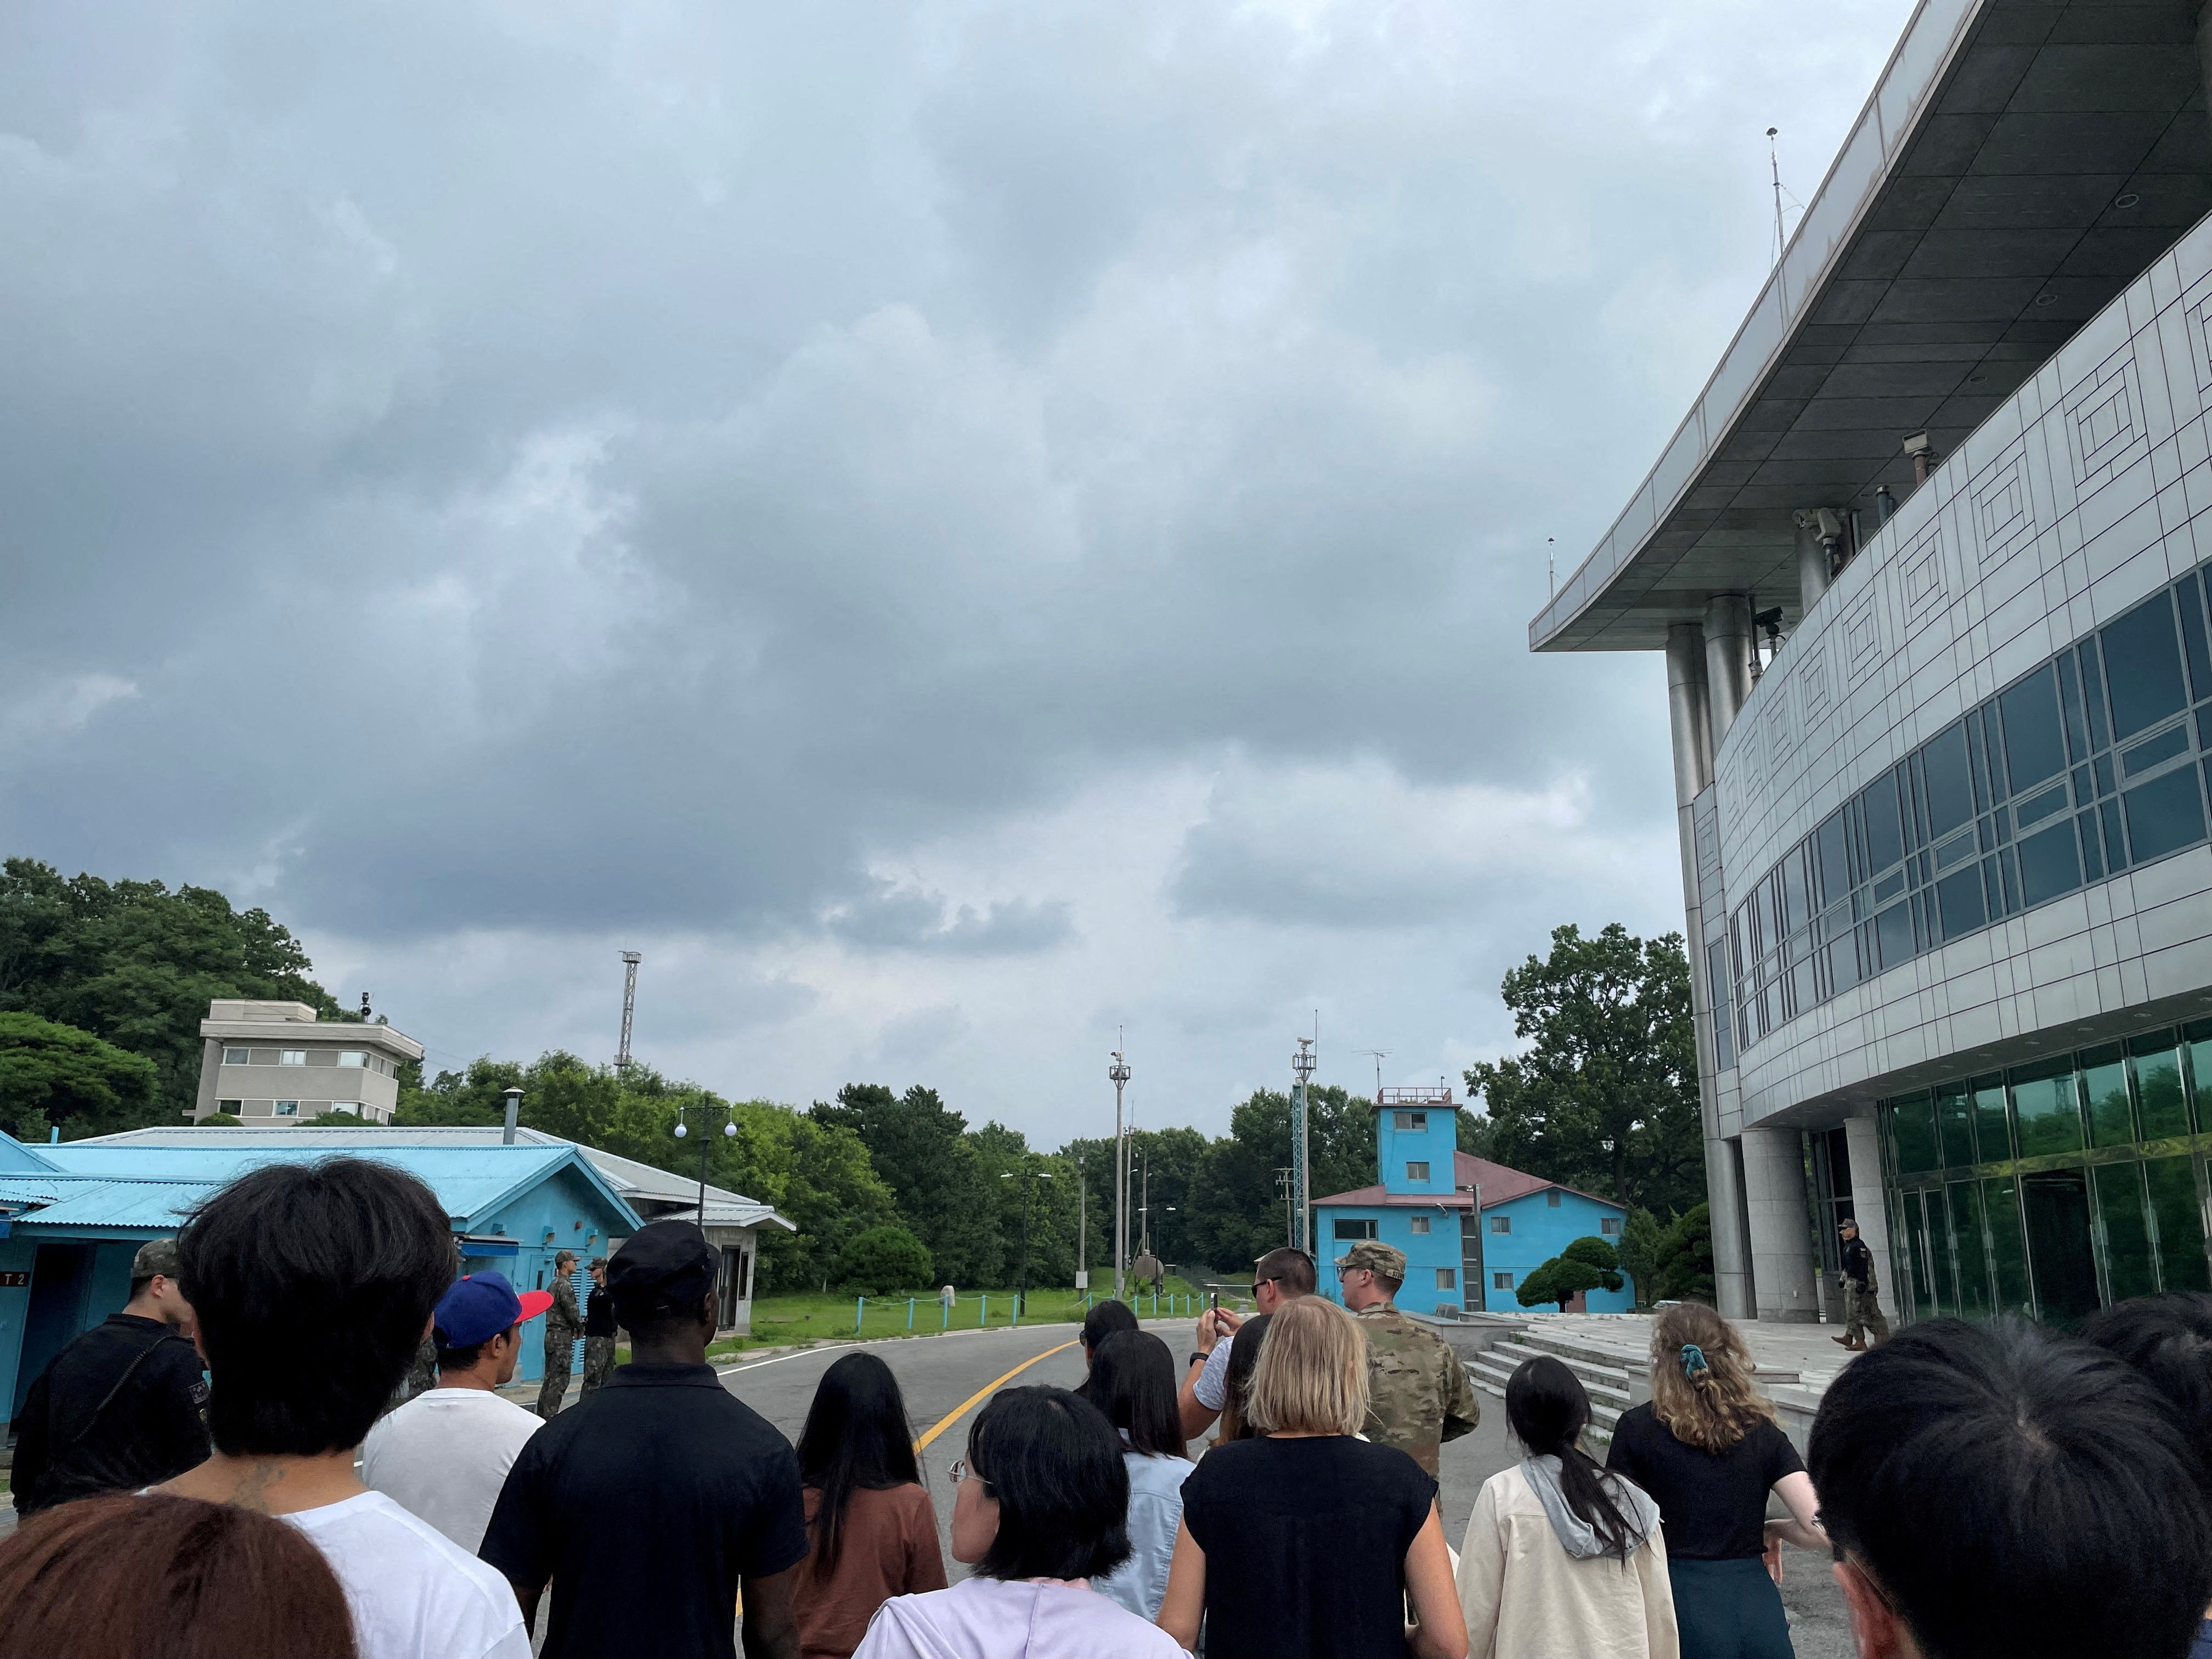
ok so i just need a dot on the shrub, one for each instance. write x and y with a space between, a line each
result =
1686 1258
887 1257
1639 1253
1587 1264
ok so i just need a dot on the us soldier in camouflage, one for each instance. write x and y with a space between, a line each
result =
1420 1394
564 1323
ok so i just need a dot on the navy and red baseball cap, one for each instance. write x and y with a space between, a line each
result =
479 1307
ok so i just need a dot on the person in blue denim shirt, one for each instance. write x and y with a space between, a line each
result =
1133 1381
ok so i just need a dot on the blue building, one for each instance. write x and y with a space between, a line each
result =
1472 1230
72 1215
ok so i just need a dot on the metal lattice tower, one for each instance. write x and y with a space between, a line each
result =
630 959
1301 1064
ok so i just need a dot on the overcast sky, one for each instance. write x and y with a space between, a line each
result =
953 528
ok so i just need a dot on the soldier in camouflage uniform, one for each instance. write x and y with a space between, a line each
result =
1861 1300
1420 1394
564 1323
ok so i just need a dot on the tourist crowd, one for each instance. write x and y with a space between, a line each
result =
1979 1490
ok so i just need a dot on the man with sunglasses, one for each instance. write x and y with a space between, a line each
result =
1279 1278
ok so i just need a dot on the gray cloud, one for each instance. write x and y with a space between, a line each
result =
558 476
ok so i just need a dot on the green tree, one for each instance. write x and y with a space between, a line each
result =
137 964
920 1148
1640 1239
1685 1267
1174 1157
53 1075
1605 1099
885 1259
1235 1207
1587 1264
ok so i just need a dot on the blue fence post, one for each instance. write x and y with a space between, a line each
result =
860 1307
1018 1311
910 1313
944 1314
982 1311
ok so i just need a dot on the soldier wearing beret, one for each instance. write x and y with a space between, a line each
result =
1419 1393
122 1406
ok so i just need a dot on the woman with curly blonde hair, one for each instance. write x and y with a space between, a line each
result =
1708 1448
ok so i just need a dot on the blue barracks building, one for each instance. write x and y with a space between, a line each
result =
1470 1228
72 1215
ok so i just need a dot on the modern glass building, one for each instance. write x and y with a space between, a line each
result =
1927 561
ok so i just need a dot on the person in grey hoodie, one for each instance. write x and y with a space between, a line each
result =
1563 1560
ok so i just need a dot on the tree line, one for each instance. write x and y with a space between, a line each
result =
103 985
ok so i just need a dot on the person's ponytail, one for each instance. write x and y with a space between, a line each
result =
1548 1409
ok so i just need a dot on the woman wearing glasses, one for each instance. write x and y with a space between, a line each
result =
1040 1509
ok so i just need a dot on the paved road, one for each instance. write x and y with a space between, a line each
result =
941 1375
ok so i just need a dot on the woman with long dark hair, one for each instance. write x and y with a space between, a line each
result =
1132 1381
1706 1446
870 1524
1562 1558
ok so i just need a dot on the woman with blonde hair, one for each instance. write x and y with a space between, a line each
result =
1707 1448
1307 1540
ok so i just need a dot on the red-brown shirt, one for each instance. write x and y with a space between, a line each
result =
887 1546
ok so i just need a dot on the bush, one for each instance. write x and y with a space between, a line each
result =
1639 1253
219 1120
1686 1258
887 1257
1587 1264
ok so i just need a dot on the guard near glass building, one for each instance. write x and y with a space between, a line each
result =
1419 1394
1862 1306
122 1406
562 1327
598 1328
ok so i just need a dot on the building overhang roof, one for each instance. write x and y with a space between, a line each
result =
283 1034
2016 167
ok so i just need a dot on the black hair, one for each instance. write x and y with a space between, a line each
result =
1292 1269
649 1320
460 1360
1054 1464
1103 1320
1132 1381
1237 1384
2012 1491
312 1284
2169 1339
1547 1409
138 1286
857 1438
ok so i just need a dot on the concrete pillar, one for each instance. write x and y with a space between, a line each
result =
1727 660
1689 723
1812 560
1862 1141
1775 1212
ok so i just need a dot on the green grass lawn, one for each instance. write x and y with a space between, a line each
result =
782 1321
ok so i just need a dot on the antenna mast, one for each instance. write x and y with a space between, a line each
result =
630 959
1774 171
1378 1056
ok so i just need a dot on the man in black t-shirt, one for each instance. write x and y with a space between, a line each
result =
650 1505
122 1406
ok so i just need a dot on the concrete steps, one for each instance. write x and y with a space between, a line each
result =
1615 1377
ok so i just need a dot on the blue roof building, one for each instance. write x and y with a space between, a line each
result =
72 1215
1472 1230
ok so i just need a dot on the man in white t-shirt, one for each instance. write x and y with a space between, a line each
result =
1279 1278
312 1285
445 1454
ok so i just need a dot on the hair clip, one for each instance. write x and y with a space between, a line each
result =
1693 1360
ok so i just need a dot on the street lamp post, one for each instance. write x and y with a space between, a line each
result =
1118 1073
1082 1227
1302 1066
1022 1295
729 1132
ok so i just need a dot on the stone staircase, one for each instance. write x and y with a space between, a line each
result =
1616 1378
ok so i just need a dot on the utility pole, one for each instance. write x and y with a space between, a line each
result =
630 959
1118 1073
1289 1213
1301 1064
1082 1227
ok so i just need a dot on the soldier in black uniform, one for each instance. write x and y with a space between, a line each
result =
598 1328
123 1405
1862 1304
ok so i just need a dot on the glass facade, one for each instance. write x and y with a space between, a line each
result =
2055 1188
2094 763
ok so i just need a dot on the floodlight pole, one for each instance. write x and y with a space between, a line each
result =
1301 1064
1118 1073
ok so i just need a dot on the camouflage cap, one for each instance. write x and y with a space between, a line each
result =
155 1256
1384 1261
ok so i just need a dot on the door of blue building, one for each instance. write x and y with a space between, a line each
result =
59 1279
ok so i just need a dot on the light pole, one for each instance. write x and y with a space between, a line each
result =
1302 1065
1082 1226
729 1132
1021 1296
1119 1072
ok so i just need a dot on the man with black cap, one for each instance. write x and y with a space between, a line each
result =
444 1456
1861 1300
122 1406
649 1505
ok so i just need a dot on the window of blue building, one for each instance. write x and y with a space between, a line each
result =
1420 1224
1501 1224
1355 1229
1417 1172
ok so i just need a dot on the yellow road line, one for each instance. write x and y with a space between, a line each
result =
982 1394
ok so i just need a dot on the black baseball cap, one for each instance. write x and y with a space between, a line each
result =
669 1265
